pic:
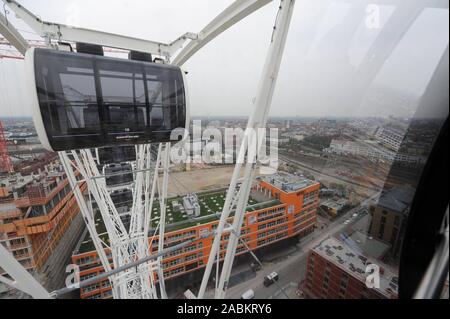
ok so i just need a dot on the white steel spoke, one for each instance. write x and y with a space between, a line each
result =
257 120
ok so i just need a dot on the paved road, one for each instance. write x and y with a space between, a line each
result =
292 268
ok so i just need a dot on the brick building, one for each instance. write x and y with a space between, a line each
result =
337 271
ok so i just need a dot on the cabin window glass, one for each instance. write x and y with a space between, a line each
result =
123 95
78 103
164 87
66 91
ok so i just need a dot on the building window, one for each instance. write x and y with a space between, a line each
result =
394 235
397 220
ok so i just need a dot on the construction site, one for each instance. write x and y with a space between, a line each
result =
39 216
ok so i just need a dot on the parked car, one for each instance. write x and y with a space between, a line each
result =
270 279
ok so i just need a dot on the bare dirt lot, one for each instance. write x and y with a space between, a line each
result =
199 180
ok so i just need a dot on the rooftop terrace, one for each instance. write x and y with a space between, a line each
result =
211 204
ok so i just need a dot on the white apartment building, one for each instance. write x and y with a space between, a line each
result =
372 151
390 138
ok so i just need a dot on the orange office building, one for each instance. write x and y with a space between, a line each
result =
280 207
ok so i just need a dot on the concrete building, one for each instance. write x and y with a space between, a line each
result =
337 271
191 205
389 217
334 207
390 138
372 151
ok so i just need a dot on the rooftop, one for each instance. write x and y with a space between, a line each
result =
287 182
365 244
211 204
397 199
355 263
335 203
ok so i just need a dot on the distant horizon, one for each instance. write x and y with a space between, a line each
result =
327 68
270 117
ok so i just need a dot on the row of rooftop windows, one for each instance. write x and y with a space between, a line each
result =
269 214
90 260
272 231
177 261
303 216
175 237
270 224
271 239
309 198
302 220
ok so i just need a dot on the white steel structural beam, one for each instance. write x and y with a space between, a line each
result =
21 278
257 120
237 11
51 30
12 35
85 211
126 246
165 161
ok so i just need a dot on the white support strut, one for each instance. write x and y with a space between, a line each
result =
21 278
257 120
59 31
234 13
126 246
12 35
163 209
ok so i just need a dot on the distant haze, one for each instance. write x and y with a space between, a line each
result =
335 63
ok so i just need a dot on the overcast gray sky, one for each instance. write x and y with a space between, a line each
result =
325 69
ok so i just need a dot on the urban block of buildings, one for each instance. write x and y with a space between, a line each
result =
281 207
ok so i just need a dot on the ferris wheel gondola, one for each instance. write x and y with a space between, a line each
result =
84 100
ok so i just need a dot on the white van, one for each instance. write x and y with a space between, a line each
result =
249 294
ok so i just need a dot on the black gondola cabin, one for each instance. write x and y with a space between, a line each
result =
85 101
